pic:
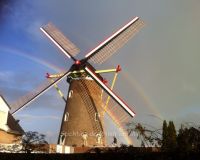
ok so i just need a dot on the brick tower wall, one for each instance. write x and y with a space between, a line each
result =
82 113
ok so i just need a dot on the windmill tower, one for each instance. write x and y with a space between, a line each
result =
82 117
88 97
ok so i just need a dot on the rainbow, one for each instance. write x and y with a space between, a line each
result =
121 128
133 83
14 51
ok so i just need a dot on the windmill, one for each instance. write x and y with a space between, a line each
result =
105 104
82 119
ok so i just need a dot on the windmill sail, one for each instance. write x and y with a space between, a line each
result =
108 47
25 100
62 42
113 110
110 92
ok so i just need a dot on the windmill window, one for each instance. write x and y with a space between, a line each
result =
66 118
70 93
62 138
97 116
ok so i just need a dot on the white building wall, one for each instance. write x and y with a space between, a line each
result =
4 109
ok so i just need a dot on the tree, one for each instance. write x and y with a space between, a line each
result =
188 139
169 142
164 136
33 141
28 143
172 144
140 130
148 135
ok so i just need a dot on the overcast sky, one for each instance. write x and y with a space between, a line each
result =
160 65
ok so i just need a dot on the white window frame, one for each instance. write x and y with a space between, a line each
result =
66 117
70 94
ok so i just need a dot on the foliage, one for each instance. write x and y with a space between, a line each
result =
148 135
164 136
12 148
172 136
28 143
33 141
169 141
188 139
